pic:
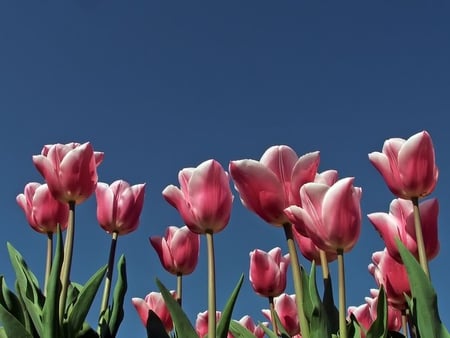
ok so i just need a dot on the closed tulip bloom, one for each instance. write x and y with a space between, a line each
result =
42 211
247 322
394 317
399 223
362 315
286 310
331 215
309 250
70 170
393 276
268 272
119 206
270 185
408 166
204 199
201 324
178 250
154 301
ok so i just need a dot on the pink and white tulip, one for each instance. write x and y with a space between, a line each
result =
154 301
286 309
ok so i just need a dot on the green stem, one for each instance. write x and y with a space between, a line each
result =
211 287
419 237
67 262
298 283
342 305
272 315
48 262
179 288
109 273
324 265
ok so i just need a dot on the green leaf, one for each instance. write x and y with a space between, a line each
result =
3 333
50 313
10 302
33 310
425 310
353 329
155 327
239 331
224 322
332 313
84 301
318 321
268 331
280 326
116 314
11 325
180 320
307 303
378 329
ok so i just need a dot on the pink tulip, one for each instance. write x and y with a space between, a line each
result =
362 315
399 223
331 215
42 211
394 317
201 324
408 166
155 302
178 250
270 185
249 324
393 276
268 272
204 200
70 170
286 309
309 250
119 206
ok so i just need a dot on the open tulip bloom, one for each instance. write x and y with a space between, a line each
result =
319 213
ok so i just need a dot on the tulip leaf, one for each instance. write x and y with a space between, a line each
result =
318 321
12 327
332 313
224 322
272 334
33 310
10 302
425 310
307 302
116 312
239 331
354 328
378 329
50 314
155 327
180 320
84 301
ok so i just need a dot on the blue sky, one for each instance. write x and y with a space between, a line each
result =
159 86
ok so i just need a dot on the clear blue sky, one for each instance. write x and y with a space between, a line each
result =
163 85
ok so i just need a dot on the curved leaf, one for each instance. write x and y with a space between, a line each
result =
224 322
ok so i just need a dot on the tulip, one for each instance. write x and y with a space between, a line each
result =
332 215
362 315
286 310
119 206
247 322
178 250
309 250
270 185
155 302
408 166
268 272
204 200
70 170
394 316
399 223
201 324
42 211
393 276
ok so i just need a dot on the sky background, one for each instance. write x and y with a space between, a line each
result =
162 85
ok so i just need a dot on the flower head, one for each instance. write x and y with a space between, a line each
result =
154 302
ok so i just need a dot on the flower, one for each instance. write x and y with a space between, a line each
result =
394 316
268 272
70 170
309 250
201 324
331 215
286 310
247 322
204 200
362 315
154 301
399 223
119 206
270 185
178 250
408 166
42 211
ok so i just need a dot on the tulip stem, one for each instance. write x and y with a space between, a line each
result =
179 287
67 262
48 263
324 264
419 237
272 315
298 283
109 273
404 323
342 305
211 286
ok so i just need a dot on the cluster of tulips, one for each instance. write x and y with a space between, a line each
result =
319 213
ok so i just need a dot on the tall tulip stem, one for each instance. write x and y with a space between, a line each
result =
211 286
109 273
67 262
324 265
48 262
342 305
179 288
419 237
296 275
272 315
